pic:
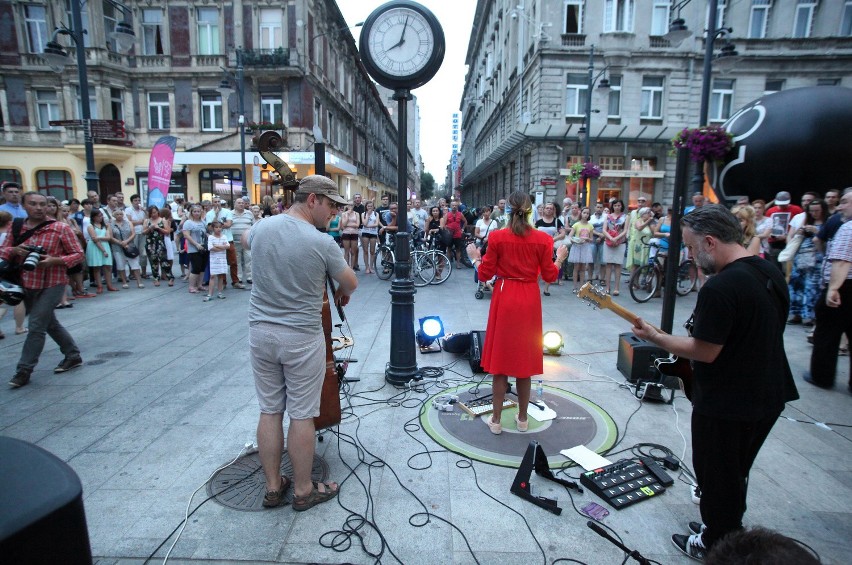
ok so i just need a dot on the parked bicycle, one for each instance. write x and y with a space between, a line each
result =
428 264
647 280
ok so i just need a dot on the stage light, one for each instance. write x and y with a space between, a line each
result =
552 342
431 328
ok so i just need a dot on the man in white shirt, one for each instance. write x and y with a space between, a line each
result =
136 215
799 219
226 218
242 220
417 216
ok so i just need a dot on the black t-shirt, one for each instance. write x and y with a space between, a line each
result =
360 208
830 227
743 308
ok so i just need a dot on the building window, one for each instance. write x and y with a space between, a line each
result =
652 98
721 99
211 112
759 18
611 162
35 18
93 103
618 15
573 16
152 32
11 175
804 18
773 85
846 20
158 110
271 109
116 103
55 183
208 31
614 105
828 82
47 104
111 15
84 18
318 121
332 130
660 17
577 90
271 28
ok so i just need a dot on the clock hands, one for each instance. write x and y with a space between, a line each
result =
401 36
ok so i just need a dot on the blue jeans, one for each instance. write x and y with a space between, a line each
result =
41 308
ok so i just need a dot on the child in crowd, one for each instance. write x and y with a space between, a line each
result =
582 248
218 246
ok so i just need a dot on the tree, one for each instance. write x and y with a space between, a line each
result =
427 185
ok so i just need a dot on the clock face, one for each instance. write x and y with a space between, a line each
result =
402 44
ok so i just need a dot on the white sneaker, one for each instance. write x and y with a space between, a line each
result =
696 494
691 546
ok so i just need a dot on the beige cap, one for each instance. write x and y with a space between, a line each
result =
321 186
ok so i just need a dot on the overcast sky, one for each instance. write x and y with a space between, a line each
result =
441 96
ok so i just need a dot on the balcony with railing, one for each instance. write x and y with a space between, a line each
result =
573 40
278 57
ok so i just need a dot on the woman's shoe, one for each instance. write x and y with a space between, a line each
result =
207 298
495 427
125 285
156 282
615 293
193 290
112 289
171 282
222 296
140 285
522 426
100 290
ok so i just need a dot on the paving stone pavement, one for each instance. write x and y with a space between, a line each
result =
144 430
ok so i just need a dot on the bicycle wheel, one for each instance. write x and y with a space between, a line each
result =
687 274
443 266
644 283
422 268
383 264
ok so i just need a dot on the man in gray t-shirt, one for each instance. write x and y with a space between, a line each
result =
287 347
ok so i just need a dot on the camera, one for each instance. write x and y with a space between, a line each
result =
33 257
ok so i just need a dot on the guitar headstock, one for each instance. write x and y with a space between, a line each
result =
594 296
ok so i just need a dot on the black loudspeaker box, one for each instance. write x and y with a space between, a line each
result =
636 358
477 342
457 343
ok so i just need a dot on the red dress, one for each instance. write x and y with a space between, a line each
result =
513 337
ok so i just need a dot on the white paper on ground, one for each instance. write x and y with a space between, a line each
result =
585 457
538 414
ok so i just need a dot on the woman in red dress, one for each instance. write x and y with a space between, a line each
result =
517 255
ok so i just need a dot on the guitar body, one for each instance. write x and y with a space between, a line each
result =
330 396
675 366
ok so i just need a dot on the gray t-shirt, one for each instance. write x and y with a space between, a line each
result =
290 259
196 231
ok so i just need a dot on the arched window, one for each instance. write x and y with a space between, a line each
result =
55 183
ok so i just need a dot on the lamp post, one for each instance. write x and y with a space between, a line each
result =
584 134
225 89
57 57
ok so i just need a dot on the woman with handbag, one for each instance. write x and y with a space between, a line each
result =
98 251
156 230
615 237
124 251
807 262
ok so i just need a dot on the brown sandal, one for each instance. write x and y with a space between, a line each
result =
302 503
274 498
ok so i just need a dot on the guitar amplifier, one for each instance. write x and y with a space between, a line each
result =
636 358
477 342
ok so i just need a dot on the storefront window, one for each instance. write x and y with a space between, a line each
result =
55 183
225 183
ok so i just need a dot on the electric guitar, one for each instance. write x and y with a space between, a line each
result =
672 366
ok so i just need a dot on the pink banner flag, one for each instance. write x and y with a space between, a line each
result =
160 170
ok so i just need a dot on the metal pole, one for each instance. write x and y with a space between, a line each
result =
587 145
319 158
706 80
91 175
675 238
242 120
403 363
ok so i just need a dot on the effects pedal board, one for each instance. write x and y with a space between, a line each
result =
627 482
480 407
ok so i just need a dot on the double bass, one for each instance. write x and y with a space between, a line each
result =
330 414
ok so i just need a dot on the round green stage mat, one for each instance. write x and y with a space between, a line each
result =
578 422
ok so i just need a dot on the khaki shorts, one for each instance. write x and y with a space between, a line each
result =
289 368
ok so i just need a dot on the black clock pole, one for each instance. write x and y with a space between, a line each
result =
403 362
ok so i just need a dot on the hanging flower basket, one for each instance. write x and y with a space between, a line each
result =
707 143
590 171
574 172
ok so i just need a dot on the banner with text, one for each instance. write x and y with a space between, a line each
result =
160 170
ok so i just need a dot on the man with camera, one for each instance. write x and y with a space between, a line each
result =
41 250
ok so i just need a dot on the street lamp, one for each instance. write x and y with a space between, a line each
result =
57 58
225 89
584 134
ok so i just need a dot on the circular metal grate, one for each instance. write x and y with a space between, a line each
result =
242 486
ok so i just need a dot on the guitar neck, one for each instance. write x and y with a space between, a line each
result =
626 314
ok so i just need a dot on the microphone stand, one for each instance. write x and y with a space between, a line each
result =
630 552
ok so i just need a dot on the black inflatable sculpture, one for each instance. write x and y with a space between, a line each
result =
795 140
